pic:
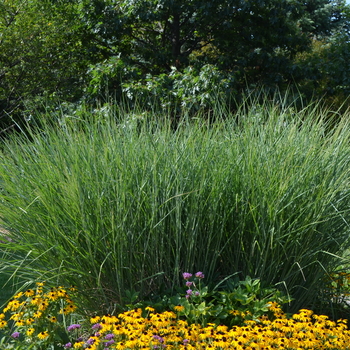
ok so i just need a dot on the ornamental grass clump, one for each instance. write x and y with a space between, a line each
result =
120 203
149 330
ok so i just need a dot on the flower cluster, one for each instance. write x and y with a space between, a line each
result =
38 317
191 284
34 315
130 330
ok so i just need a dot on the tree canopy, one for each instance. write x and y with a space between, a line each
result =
77 50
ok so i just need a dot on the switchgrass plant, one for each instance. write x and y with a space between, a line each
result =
120 204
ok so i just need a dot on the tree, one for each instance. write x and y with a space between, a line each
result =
67 49
255 41
43 55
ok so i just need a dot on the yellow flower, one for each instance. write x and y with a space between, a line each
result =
68 309
78 345
29 320
43 305
37 314
221 329
29 293
52 296
179 308
120 346
36 300
13 305
3 324
18 295
61 292
235 312
20 323
16 317
52 319
95 319
43 335
73 289
30 331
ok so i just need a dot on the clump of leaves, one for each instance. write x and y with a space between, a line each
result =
241 300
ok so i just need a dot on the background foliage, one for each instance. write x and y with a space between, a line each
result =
75 51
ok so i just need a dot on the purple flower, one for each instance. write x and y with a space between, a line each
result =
15 335
90 341
109 342
187 275
196 293
189 284
109 336
73 326
68 345
185 341
189 292
199 274
96 326
157 337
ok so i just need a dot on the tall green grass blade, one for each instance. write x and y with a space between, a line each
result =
111 201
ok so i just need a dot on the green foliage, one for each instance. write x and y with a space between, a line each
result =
44 56
165 33
162 41
334 296
325 71
81 50
111 201
188 93
234 304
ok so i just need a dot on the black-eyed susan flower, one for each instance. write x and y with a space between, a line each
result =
95 319
78 345
52 295
30 320
37 314
43 305
43 335
52 319
18 295
29 293
30 331
70 308
179 308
